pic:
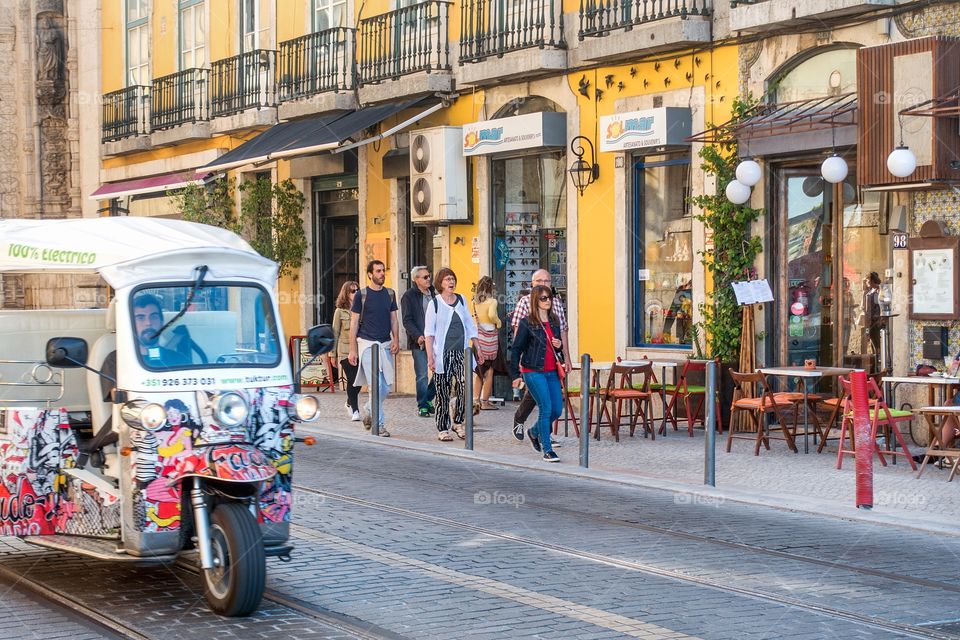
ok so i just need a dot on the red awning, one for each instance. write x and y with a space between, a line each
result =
152 184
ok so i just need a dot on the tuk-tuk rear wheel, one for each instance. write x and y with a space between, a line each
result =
235 586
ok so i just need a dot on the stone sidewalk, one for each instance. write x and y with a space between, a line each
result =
778 478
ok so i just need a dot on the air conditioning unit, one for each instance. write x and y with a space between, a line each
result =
438 176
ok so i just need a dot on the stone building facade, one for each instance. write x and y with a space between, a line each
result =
49 129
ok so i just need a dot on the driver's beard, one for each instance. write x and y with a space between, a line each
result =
148 338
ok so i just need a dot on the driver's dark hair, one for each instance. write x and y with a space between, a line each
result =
374 263
145 300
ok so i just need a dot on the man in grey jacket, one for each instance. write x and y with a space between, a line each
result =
413 306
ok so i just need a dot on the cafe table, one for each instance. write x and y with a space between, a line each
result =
939 382
805 374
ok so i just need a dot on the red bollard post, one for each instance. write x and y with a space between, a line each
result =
864 443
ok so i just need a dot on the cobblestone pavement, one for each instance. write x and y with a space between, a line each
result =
27 616
512 553
404 544
678 458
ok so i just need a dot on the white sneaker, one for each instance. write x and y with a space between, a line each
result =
355 417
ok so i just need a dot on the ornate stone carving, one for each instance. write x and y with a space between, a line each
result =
51 60
51 92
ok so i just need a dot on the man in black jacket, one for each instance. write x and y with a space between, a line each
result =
413 308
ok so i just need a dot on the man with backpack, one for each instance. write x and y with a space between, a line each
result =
374 325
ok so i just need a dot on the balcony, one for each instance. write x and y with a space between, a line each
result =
178 100
316 73
510 39
410 43
760 15
613 30
243 91
125 119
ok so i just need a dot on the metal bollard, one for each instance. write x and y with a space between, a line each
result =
585 410
865 444
710 442
375 390
468 396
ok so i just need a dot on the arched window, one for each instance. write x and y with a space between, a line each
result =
525 105
830 73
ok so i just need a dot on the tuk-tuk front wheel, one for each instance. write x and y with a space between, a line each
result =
235 585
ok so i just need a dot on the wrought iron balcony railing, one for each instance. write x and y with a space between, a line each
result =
404 41
599 17
180 98
246 81
316 63
495 27
124 113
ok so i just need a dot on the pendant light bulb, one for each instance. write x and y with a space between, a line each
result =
748 172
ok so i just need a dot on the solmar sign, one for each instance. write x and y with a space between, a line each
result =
529 131
649 128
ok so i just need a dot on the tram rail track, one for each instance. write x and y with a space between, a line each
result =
907 630
113 626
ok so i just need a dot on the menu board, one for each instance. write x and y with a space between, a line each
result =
933 278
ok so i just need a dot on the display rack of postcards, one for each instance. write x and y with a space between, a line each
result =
522 226
555 258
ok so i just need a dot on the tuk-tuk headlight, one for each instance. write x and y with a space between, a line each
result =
232 410
140 415
306 408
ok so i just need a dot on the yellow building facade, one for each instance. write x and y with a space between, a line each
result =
342 97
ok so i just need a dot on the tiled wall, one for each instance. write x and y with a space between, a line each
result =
945 207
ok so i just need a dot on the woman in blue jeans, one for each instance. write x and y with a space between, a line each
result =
534 357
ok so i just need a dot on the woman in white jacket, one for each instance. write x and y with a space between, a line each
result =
448 330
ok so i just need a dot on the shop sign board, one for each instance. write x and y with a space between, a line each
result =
648 128
516 133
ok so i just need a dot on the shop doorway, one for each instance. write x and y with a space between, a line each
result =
831 255
336 240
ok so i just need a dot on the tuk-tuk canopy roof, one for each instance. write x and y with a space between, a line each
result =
126 251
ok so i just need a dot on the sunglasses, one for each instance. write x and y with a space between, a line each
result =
545 298
354 290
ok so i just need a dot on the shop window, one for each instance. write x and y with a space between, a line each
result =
662 253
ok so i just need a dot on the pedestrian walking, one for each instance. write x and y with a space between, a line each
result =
449 330
413 310
374 325
341 335
488 340
541 277
535 358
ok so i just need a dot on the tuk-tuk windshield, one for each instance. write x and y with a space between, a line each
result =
228 325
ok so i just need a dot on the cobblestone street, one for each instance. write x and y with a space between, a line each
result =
393 543
774 476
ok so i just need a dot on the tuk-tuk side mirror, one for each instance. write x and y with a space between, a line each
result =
320 339
67 353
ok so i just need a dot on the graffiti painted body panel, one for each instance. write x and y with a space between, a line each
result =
38 498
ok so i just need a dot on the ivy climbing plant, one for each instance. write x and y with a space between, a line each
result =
270 218
734 251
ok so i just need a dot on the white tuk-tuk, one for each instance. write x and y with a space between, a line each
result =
159 423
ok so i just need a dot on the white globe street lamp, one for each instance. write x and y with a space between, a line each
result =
737 192
834 169
901 162
749 173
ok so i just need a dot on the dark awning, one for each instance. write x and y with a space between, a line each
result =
314 135
791 126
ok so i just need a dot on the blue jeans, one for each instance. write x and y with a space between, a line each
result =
426 390
384 387
547 393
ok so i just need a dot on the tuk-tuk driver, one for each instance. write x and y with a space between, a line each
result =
148 320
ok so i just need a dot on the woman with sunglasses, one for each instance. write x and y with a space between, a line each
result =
341 333
534 358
